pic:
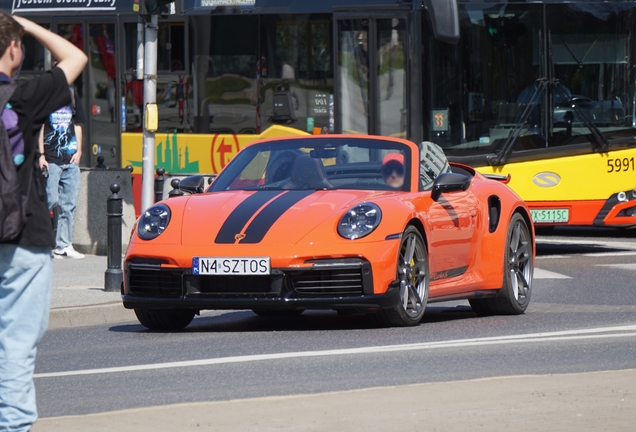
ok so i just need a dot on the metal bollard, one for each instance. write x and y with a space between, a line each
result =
100 163
115 210
175 192
159 184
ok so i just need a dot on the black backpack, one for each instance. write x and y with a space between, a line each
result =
12 203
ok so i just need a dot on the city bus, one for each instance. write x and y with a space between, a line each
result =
541 91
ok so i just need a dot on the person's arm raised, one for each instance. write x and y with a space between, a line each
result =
71 59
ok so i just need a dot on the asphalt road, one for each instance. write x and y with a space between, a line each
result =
582 319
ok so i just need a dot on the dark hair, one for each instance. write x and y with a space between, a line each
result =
10 30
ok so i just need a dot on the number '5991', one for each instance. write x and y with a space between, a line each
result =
618 165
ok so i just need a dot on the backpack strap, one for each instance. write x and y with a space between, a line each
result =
6 91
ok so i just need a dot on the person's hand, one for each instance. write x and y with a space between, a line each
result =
76 158
43 163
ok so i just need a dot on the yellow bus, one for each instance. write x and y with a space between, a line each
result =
543 91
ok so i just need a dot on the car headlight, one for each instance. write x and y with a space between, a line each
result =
359 221
153 222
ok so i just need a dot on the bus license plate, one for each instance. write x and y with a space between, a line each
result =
230 266
555 215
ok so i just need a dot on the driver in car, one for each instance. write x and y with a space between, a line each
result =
393 170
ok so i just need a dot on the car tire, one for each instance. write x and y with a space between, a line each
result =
413 277
278 312
513 298
165 319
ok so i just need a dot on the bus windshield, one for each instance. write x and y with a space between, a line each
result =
536 81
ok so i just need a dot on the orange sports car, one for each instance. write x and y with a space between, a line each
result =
341 222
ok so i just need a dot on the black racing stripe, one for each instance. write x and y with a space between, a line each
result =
270 214
242 213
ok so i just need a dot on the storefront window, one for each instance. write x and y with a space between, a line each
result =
34 60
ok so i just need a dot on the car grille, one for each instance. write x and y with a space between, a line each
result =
326 278
154 282
331 282
229 284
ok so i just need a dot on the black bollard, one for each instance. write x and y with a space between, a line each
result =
100 163
159 184
115 210
175 192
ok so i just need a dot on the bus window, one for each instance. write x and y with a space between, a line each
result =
391 70
295 78
353 73
171 47
475 111
590 56
224 73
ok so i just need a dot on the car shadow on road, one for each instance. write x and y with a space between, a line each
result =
247 321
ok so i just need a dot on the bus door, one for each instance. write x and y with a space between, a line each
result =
97 87
371 86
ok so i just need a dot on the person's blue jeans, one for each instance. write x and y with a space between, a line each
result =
62 188
25 299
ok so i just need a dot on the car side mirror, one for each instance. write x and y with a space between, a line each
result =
449 182
193 185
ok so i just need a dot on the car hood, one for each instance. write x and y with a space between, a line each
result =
268 217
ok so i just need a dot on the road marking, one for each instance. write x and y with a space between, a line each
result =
567 335
630 246
631 266
546 274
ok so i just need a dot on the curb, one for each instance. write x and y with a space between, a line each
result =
90 315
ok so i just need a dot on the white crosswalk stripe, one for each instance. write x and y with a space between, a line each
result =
627 266
545 274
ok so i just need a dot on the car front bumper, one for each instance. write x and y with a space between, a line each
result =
327 284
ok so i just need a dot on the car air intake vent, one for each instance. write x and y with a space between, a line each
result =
151 281
328 282
232 285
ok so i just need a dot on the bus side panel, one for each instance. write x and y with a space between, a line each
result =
604 197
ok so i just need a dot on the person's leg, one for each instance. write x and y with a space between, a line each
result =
69 188
25 299
53 185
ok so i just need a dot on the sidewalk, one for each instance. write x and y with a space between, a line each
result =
79 297
596 401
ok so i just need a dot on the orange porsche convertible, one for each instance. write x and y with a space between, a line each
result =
341 222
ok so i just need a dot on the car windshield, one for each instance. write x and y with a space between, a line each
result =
318 163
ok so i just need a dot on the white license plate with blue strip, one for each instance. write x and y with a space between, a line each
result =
231 266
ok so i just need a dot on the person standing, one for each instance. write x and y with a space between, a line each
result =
60 153
25 260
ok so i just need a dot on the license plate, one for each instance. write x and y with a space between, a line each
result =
555 215
230 266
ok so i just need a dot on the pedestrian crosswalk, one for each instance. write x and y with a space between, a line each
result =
546 274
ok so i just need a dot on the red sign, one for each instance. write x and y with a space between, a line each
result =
224 148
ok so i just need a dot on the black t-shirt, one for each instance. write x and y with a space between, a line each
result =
32 102
60 142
